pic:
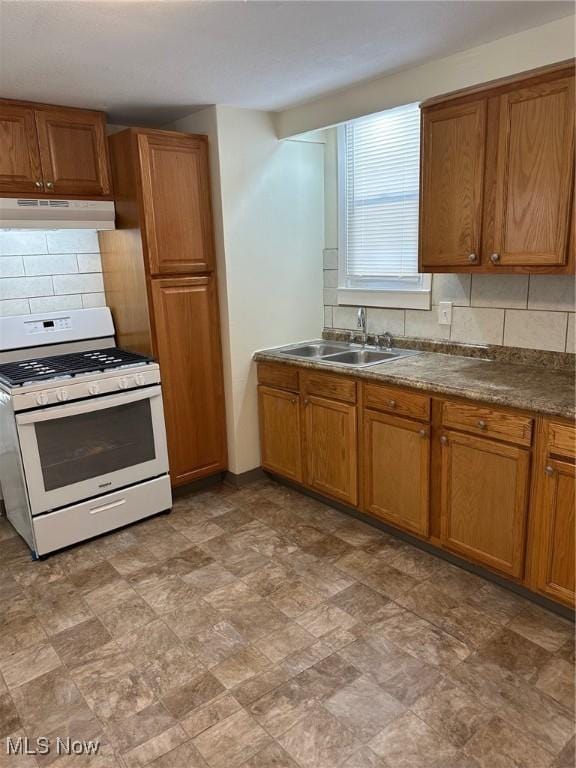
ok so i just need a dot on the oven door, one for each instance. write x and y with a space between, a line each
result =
79 450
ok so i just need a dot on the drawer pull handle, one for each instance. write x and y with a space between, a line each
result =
423 433
392 403
481 424
472 258
105 507
495 258
549 470
39 184
444 440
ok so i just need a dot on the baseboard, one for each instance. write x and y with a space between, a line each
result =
245 478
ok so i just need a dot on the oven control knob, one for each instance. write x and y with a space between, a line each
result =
123 383
42 398
139 379
62 394
94 388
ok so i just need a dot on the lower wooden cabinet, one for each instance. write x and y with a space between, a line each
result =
552 543
280 435
191 368
331 455
397 471
484 496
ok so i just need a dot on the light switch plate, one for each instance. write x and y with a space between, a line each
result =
445 313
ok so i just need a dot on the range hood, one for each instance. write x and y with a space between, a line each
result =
30 213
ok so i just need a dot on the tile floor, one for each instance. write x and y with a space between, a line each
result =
263 629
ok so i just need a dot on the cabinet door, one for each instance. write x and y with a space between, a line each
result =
20 169
176 199
280 435
452 171
73 151
187 344
331 448
397 471
553 552
483 505
534 175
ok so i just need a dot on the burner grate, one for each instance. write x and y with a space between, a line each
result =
73 364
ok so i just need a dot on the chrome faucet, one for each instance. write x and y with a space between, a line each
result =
361 323
385 340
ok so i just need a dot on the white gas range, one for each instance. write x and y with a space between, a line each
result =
82 437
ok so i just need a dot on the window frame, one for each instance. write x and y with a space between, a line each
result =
395 293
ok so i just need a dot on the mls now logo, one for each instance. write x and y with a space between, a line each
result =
22 745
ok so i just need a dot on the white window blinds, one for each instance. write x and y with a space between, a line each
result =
380 165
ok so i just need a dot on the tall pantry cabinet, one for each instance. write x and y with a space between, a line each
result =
160 282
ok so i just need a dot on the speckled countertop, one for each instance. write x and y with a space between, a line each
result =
540 390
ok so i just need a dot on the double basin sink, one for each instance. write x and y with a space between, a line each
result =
343 353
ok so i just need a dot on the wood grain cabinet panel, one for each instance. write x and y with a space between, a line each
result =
280 433
534 174
331 453
396 468
20 169
191 371
452 178
176 200
490 422
552 552
73 152
484 494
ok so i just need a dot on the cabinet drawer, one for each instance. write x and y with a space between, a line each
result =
325 385
562 439
282 376
482 420
399 401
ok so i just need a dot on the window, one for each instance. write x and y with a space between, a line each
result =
378 171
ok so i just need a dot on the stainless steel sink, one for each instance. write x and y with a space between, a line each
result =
360 358
343 353
314 349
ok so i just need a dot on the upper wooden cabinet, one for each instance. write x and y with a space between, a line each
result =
551 550
176 196
453 142
53 151
497 171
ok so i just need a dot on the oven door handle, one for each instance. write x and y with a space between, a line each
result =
87 406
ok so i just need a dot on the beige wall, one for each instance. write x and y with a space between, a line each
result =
534 311
515 53
269 217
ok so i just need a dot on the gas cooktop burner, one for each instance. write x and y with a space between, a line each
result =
64 366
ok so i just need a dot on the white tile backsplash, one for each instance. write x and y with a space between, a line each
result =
502 291
49 271
534 329
535 311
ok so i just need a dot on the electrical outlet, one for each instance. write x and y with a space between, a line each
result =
445 313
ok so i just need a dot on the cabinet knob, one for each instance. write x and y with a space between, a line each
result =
423 433
39 184
306 402
392 403
495 258
481 424
293 401
49 185
472 258
444 440
549 470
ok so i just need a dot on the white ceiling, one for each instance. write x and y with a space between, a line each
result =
152 62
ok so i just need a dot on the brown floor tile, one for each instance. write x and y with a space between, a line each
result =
498 604
204 717
23 666
106 662
232 595
196 532
456 582
328 676
283 707
241 666
184 756
498 745
364 708
513 653
365 758
285 641
127 733
188 560
256 687
109 596
128 616
75 643
409 743
131 560
155 747
566 758
325 618
119 697
272 756
268 579
189 620
181 701
452 712
361 602
357 534
556 679
232 741
171 669
208 578
319 741
295 598
96 576
47 701
416 563
388 581
216 642
542 627
255 620
9 718
146 643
